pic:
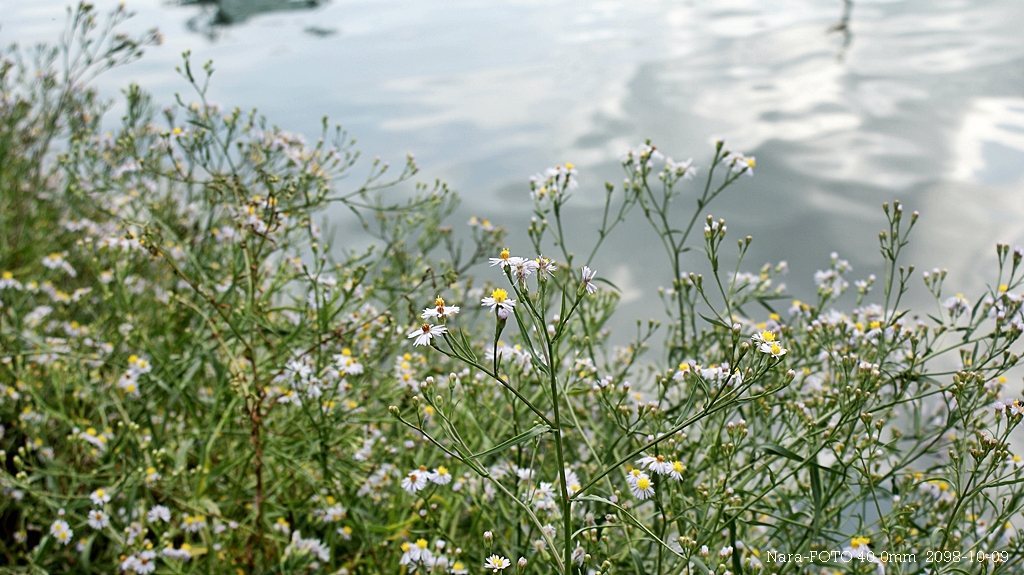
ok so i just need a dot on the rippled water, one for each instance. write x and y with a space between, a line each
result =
922 101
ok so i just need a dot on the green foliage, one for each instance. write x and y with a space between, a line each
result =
193 379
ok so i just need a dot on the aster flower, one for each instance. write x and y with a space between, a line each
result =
152 475
634 475
497 563
579 555
98 519
61 531
766 336
588 275
685 170
440 310
441 476
196 523
504 259
7 281
159 513
773 349
656 463
859 549
334 513
416 480
523 269
100 496
425 333
956 305
741 164
282 525
499 300
678 469
643 488
545 265
143 562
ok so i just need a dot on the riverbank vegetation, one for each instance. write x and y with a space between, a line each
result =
195 378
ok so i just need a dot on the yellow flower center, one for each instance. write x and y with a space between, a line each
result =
438 302
768 335
875 324
421 543
859 541
678 467
442 470
499 295
776 348
643 483
504 254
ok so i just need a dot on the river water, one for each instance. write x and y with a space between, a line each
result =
844 105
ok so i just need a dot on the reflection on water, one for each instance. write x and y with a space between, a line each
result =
843 27
925 105
215 14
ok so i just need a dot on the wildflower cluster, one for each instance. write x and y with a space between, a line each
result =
193 380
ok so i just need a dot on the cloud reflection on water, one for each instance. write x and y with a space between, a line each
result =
924 106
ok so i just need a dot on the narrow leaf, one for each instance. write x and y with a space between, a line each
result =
535 431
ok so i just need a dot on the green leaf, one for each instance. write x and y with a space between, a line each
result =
632 520
815 489
777 449
535 431
717 322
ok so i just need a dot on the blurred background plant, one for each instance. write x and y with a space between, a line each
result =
191 379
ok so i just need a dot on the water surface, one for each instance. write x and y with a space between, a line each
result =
917 100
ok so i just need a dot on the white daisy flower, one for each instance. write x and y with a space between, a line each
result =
678 469
193 523
504 259
416 480
643 488
61 531
99 497
656 463
98 519
159 513
499 301
440 310
497 563
425 333
588 279
441 476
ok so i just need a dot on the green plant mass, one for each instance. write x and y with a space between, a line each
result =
195 378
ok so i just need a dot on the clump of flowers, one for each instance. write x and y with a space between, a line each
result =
193 379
